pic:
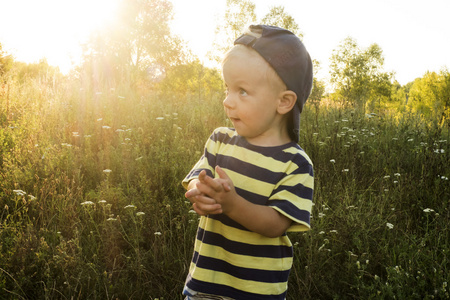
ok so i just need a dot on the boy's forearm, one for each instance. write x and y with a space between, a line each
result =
258 218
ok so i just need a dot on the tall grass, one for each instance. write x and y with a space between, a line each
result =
92 206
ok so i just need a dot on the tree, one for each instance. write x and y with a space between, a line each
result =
238 14
278 17
140 40
357 74
430 95
318 89
6 62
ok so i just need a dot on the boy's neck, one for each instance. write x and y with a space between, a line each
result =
271 139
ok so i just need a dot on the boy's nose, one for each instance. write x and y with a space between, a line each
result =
228 102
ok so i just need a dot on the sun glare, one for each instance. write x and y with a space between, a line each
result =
54 29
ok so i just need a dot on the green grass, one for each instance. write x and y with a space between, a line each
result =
76 231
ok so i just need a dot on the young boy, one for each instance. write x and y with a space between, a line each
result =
254 182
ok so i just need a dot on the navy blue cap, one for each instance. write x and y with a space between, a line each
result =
287 55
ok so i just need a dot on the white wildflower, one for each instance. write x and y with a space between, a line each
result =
19 192
140 213
428 210
107 171
389 225
87 203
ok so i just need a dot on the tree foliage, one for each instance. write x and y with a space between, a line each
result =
357 74
238 14
191 79
430 95
137 46
277 16
6 61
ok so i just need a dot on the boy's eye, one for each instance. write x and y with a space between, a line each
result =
243 92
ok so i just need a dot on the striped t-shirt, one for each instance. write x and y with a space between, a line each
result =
230 260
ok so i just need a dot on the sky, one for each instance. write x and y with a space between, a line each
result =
414 35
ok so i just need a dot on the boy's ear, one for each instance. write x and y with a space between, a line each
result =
286 102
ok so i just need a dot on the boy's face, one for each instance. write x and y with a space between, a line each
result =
252 97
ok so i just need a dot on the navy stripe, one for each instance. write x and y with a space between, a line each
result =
227 291
270 251
227 221
259 275
211 158
252 197
292 210
249 170
299 190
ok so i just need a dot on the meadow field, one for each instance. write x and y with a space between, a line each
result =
92 207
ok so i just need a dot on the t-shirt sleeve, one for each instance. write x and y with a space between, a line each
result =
206 162
293 195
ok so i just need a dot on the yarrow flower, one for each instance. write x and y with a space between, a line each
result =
428 210
130 206
157 233
332 161
389 225
87 203
141 213
19 192
107 171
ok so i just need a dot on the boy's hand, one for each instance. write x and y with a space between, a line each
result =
221 189
201 202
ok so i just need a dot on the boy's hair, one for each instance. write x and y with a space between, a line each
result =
287 55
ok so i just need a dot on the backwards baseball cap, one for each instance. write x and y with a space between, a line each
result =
287 55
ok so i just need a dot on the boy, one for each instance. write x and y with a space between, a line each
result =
253 182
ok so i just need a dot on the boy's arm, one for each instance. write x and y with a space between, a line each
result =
258 218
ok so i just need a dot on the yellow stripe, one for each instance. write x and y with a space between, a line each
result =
245 285
298 202
250 184
292 180
246 261
241 236
294 150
